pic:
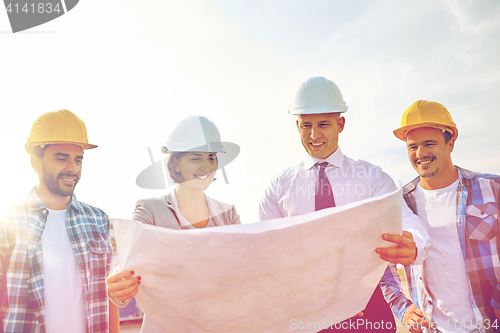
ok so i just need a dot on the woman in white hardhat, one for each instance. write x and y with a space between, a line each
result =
193 146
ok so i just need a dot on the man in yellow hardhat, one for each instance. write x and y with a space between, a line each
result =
457 288
55 250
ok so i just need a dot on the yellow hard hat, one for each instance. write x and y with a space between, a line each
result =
58 127
426 114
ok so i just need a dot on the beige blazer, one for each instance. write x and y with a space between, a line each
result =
163 211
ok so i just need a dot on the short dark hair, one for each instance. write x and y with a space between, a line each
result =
175 156
38 151
447 136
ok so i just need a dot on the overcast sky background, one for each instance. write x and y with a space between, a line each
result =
130 69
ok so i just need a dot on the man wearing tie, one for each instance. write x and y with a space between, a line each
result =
327 178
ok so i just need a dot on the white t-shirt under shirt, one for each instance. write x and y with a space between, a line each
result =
444 269
65 307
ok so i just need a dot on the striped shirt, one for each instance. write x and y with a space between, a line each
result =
21 263
477 224
292 192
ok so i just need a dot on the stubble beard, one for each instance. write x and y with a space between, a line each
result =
428 175
53 186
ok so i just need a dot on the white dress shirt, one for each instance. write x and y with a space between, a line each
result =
292 192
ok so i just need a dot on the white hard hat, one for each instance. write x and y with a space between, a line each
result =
318 95
190 134
194 133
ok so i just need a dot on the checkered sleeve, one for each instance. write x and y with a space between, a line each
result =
3 251
495 297
478 206
391 288
4 245
7 240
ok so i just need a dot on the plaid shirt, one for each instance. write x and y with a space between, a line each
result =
21 266
477 223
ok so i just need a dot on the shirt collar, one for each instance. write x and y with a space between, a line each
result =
37 204
411 186
335 159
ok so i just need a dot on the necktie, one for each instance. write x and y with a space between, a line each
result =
324 195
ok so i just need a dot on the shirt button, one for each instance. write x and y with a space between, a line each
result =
30 247
45 211
99 249
41 224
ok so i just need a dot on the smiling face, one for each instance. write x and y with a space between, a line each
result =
430 156
59 169
197 169
320 133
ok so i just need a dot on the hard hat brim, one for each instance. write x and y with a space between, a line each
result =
401 132
217 147
232 151
29 145
296 111
229 152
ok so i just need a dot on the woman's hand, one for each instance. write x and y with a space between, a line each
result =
122 286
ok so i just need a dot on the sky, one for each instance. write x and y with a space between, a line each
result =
131 69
